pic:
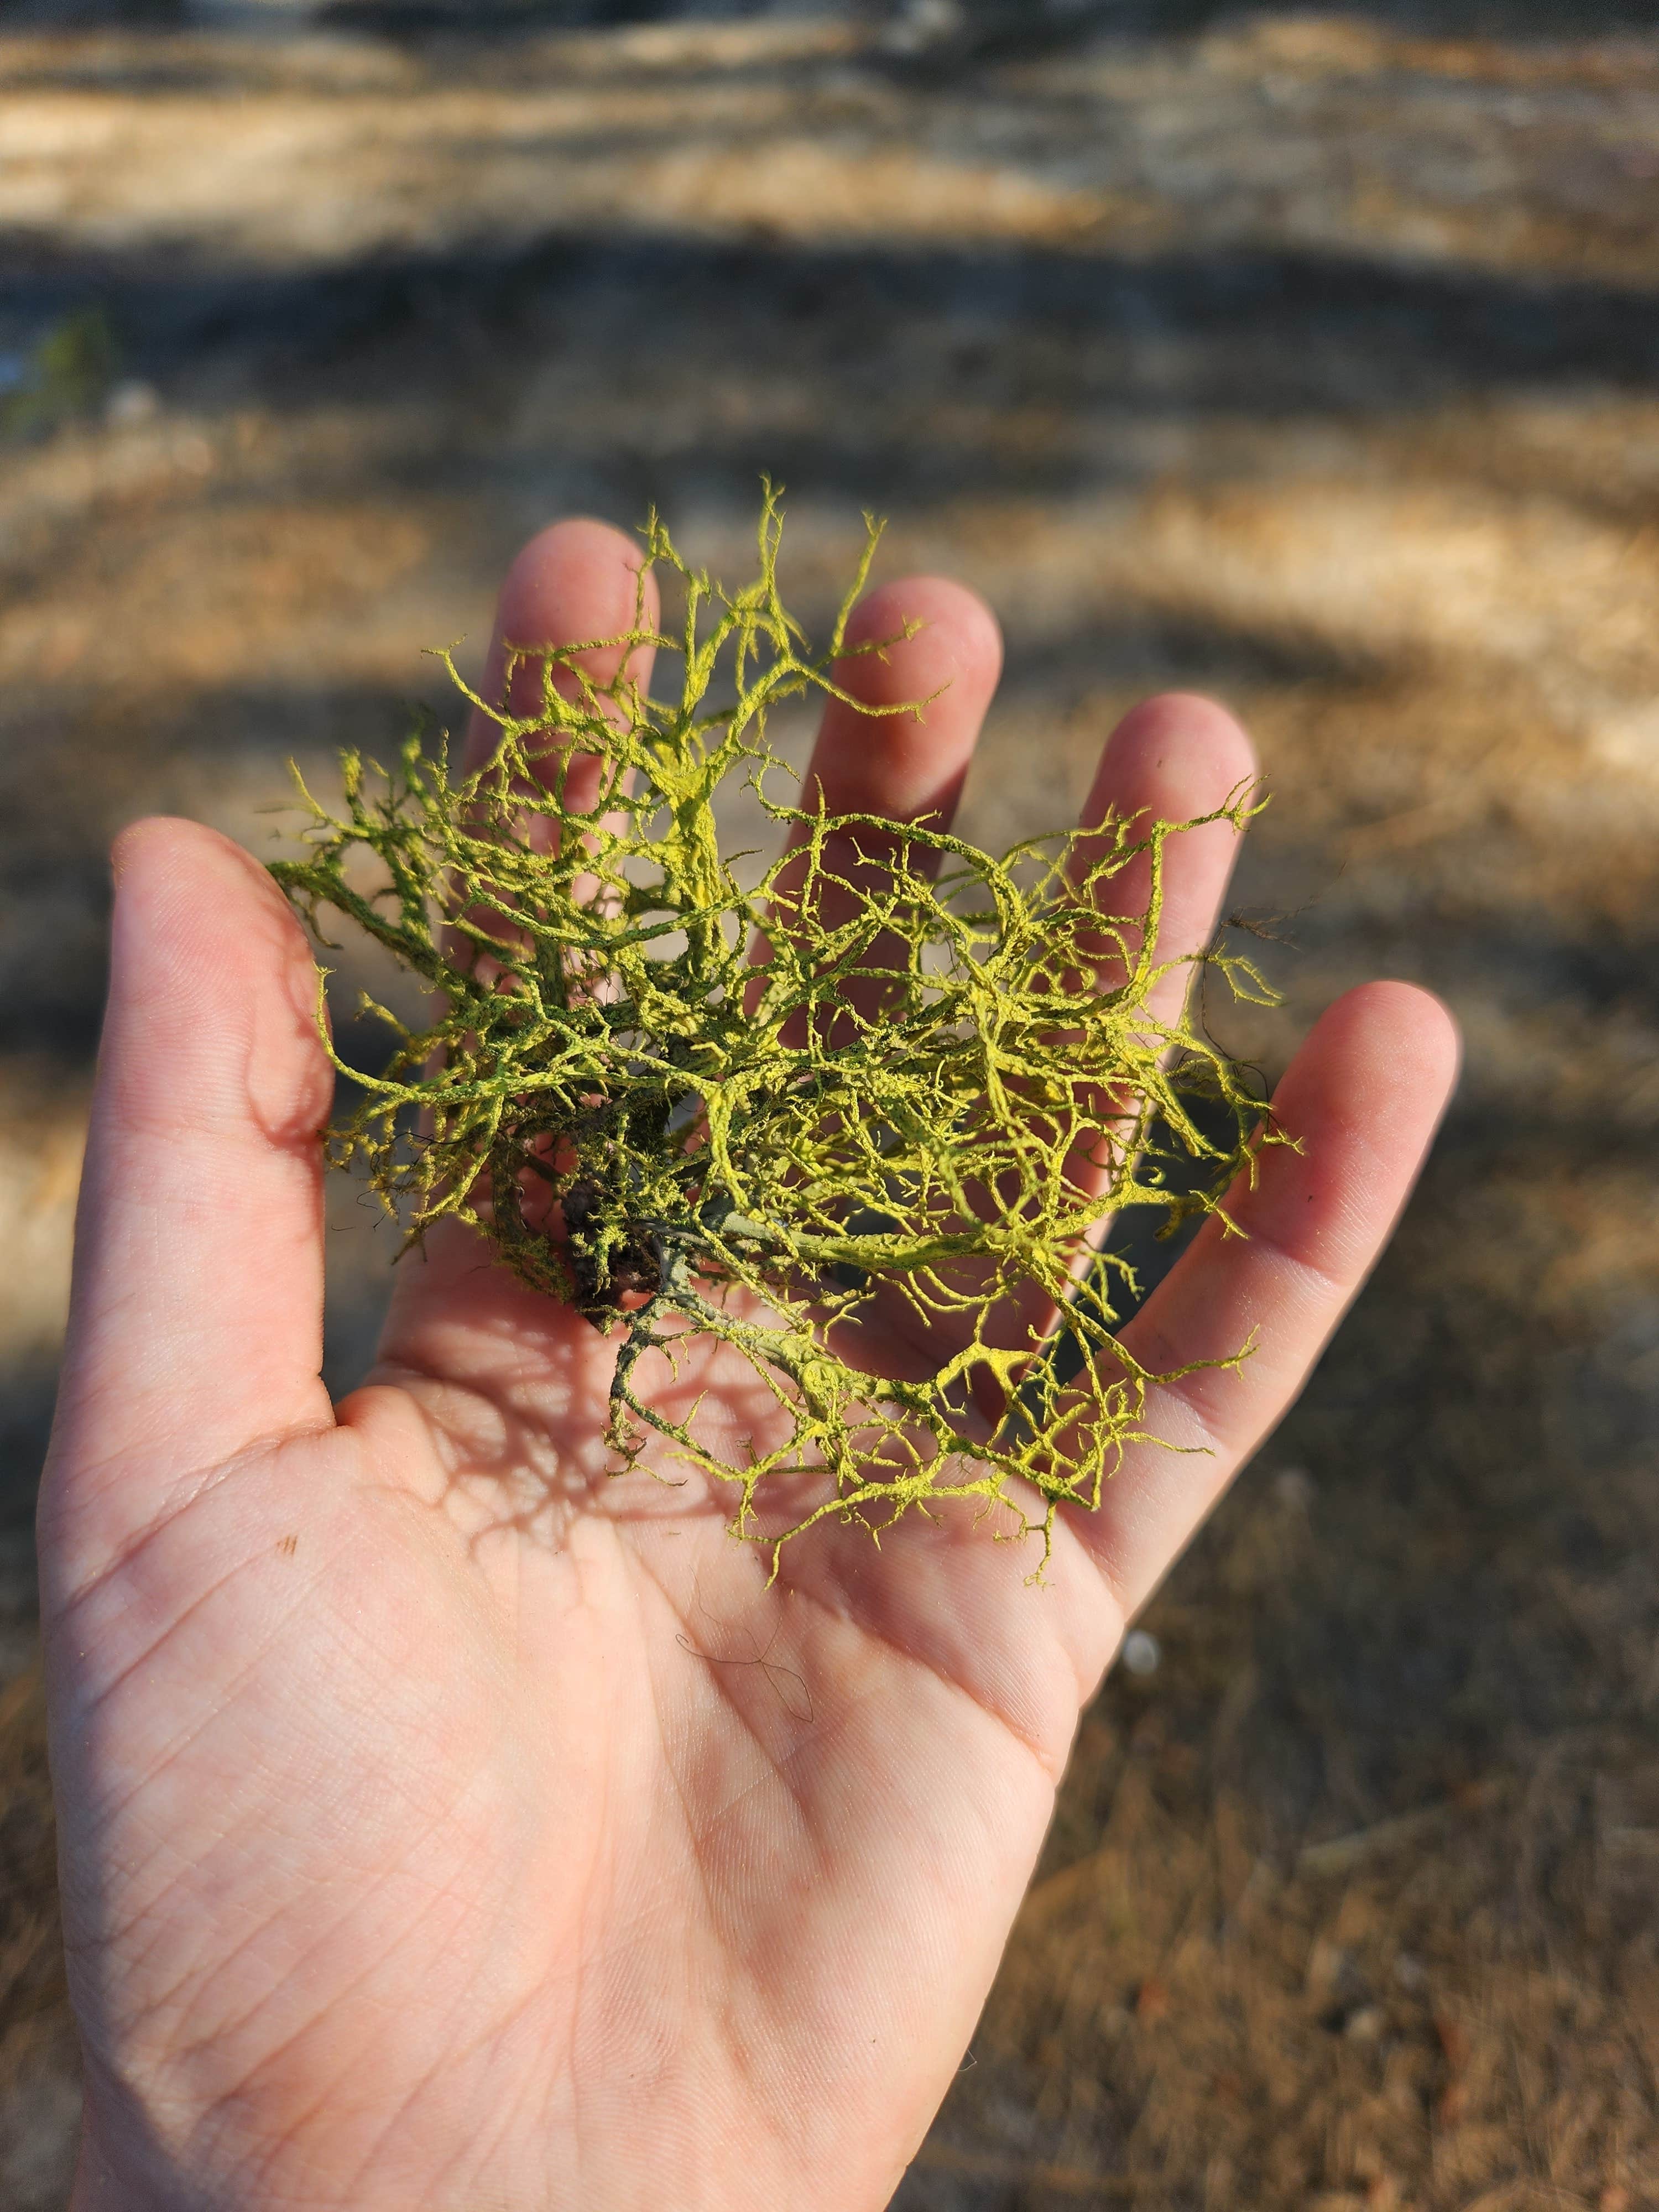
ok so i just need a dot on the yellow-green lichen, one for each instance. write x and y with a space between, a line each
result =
871 1165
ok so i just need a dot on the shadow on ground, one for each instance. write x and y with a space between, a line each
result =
1344 1904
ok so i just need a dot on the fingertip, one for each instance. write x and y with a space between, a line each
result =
925 653
167 859
576 583
210 963
956 646
153 839
576 580
1395 1033
1183 762
129 846
1178 754
164 833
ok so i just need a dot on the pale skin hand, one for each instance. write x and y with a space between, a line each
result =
411 1859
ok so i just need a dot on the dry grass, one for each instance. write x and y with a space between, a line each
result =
1307 360
31 1939
38 2095
1454 2008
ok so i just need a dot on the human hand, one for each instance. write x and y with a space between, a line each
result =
445 1823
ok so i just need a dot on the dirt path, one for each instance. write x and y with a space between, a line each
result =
1315 362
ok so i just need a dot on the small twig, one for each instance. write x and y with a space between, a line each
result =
1343 1854
1064 2180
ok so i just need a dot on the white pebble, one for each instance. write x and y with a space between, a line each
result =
1295 1488
132 403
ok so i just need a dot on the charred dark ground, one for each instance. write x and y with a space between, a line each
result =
1310 360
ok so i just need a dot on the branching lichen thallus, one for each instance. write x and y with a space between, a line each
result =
854 1185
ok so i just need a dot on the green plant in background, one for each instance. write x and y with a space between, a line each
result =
871 1165
68 373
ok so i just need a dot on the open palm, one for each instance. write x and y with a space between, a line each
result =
448 1823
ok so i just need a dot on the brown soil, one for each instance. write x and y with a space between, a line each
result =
1308 360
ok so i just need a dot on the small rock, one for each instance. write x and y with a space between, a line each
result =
130 403
1295 1488
922 24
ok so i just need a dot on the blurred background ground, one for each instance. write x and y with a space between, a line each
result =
1309 359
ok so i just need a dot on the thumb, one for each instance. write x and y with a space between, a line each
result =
196 1318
